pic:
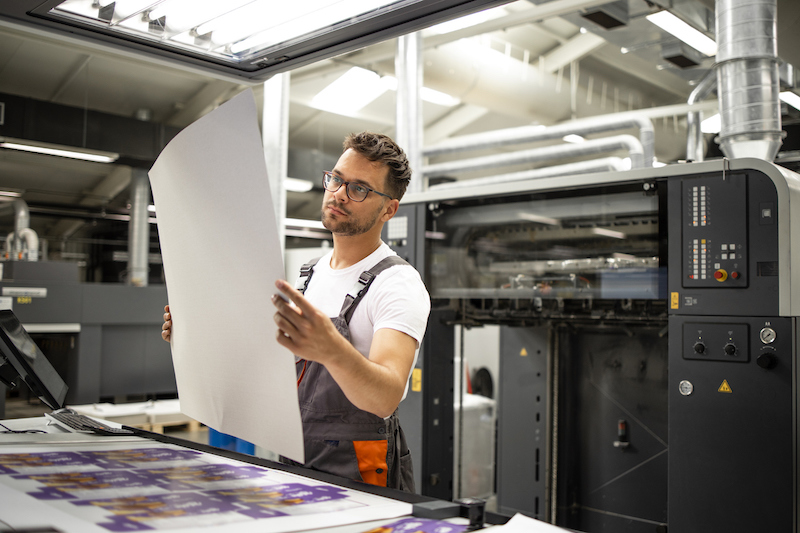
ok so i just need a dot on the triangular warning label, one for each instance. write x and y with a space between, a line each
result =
724 387
523 352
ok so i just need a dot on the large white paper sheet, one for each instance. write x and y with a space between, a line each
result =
221 254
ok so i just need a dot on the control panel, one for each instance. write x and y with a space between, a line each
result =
715 232
716 342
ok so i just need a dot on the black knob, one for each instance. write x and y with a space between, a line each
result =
699 347
730 349
766 360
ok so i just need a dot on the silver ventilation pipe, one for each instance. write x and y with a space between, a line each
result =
694 119
570 169
524 134
747 78
547 153
14 250
139 232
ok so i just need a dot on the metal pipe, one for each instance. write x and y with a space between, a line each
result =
694 135
408 134
22 221
524 134
31 239
547 153
139 229
582 167
747 78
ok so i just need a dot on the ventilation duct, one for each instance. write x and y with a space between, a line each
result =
694 132
22 244
681 55
525 134
570 169
747 78
547 153
609 15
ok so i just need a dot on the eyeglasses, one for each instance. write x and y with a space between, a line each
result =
355 191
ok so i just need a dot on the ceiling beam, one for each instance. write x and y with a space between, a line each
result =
574 49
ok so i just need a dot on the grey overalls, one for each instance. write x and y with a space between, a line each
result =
339 437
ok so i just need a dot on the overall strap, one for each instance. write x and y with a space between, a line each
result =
306 271
361 287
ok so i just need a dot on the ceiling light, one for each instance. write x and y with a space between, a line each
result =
241 39
791 98
350 92
609 233
712 124
358 87
84 154
573 138
427 94
437 97
297 185
686 33
303 223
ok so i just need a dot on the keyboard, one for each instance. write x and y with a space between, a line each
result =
77 423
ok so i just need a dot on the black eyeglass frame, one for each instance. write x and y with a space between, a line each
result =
347 184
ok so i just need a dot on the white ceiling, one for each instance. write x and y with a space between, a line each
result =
568 75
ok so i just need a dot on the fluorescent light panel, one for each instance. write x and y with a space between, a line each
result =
297 185
683 31
60 151
712 124
791 98
358 87
235 29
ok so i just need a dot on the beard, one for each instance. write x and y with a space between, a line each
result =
351 226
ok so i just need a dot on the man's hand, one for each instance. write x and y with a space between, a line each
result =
166 329
373 384
305 330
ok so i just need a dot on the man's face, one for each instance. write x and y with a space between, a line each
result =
343 216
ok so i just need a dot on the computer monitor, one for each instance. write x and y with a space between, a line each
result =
20 358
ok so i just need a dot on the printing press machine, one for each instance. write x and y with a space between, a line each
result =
648 342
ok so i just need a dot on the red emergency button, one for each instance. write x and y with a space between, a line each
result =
720 275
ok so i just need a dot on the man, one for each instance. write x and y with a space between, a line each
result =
354 366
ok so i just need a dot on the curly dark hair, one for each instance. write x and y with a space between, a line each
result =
382 149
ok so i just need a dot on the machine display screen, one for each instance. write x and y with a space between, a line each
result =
20 357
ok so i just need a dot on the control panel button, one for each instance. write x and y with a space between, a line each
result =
767 335
766 360
699 347
721 274
730 349
735 275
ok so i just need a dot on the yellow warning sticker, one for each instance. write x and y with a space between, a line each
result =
523 352
724 387
675 300
416 380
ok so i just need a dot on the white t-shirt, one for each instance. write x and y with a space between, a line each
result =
397 299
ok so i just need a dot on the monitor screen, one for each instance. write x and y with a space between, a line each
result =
19 355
